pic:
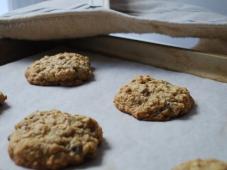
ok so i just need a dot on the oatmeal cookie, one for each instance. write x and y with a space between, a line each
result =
53 140
66 69
200 164
149 99
2 98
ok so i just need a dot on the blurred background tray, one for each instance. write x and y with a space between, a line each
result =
209 65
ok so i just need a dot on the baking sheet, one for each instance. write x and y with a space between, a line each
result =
129 144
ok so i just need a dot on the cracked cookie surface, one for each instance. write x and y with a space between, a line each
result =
66 69
2 98
200 164
146 98
53 140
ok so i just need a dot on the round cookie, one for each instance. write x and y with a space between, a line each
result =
66 69
200 164
53 140
2 98
146 98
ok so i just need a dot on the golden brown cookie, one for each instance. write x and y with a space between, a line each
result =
53 140
200 164
2 98
149 99
66 69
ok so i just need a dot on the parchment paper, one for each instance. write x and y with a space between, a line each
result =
129 144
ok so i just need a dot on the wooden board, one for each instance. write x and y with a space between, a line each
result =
212 66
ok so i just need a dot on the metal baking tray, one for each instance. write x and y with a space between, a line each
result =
128 144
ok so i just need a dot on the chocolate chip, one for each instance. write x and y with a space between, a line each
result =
76 149
165 107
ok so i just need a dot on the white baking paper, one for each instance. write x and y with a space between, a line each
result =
129 144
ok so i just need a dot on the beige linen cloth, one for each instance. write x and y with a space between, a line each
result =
58 19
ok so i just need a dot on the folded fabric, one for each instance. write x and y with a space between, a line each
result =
58 19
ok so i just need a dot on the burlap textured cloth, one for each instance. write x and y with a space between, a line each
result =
57 19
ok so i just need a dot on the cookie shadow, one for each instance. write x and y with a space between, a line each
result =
91 80
4 107
191 113
97 160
